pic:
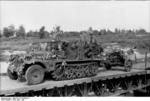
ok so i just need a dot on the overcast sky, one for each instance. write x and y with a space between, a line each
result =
76 15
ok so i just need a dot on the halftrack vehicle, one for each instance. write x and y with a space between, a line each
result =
63 60
118 57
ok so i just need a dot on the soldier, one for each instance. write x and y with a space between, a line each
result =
131 55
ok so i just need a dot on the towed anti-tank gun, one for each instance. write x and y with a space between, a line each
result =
118 57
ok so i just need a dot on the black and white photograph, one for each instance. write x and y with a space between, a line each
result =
63 48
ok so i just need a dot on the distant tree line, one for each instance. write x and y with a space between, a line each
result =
11 31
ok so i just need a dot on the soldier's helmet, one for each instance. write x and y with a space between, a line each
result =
130 51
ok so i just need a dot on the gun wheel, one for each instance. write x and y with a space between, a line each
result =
34 75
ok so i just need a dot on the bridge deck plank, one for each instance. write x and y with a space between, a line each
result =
8 86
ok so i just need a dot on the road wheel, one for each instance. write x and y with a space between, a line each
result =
34 75
128 65
11 75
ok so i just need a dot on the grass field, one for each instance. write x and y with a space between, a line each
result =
140 41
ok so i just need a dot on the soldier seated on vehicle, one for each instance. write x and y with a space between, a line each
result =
93 50
55 49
